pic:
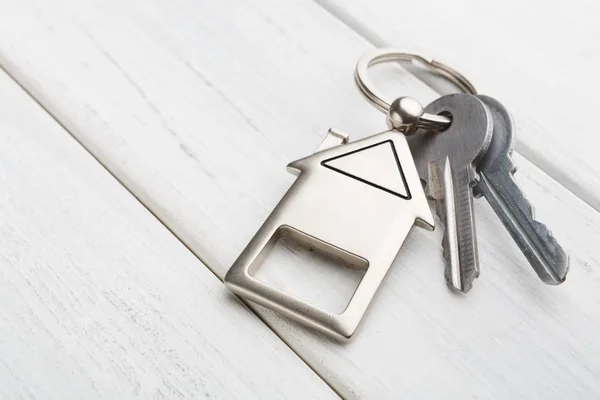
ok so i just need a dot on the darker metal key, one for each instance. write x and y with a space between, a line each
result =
497 184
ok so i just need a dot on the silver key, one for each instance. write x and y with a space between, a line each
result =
446 161
497 184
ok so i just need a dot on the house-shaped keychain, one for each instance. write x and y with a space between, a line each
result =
356 202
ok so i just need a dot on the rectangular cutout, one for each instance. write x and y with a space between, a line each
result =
310 269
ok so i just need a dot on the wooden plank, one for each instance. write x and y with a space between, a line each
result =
533 57
197 107
99 300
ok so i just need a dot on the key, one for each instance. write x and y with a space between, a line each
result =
446 162
498 186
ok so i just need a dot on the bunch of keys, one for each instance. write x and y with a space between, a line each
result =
467 154
358 201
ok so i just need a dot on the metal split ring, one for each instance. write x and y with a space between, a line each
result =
427 121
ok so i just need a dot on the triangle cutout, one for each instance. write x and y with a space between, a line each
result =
376 165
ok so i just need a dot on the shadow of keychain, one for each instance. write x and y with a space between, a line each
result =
353 201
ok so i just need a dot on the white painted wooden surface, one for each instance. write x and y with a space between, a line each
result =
539 58
99 300
197 107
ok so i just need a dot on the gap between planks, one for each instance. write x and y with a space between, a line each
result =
42 154
304 342
262 316
142 204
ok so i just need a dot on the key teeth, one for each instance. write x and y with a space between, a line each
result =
554 272
556 248
459 283
473 176
530 209
461 262
454 282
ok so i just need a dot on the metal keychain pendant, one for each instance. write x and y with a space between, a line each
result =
356 202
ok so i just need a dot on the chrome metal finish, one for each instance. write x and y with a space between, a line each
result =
427 121
446 161
497 184
356 202
404 115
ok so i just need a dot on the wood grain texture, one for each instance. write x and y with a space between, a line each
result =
540 60
197 107
99 300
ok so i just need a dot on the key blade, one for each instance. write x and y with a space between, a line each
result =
455 152
450 238
497 184
549 260
459 241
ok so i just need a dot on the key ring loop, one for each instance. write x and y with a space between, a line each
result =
427 121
